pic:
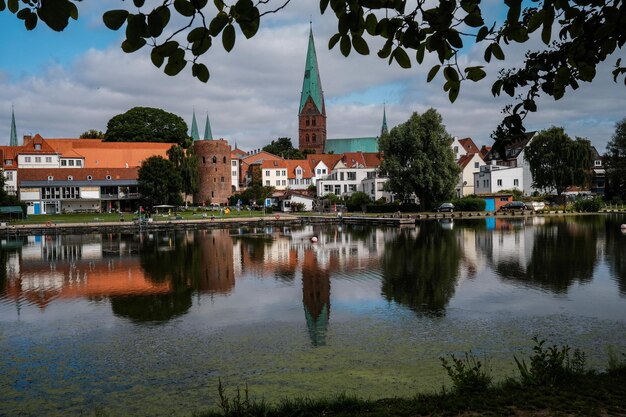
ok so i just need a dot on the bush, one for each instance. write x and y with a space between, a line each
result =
549 366
468 374
469 204
588 206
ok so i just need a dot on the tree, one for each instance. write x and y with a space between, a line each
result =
615 161
284 148
360 199
419 159
160 182
92 134
589 31
557 162
186 162
146 124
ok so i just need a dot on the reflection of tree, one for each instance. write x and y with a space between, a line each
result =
316 298
616 253
153 307
421 270
563 252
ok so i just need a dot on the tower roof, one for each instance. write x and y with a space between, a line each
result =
13 140
208 135
312 84
194 128
383 129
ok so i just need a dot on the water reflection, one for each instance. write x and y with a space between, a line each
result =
616 252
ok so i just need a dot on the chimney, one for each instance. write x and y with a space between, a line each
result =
26 139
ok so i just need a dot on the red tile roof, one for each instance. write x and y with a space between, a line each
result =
78 174
469 145
329 160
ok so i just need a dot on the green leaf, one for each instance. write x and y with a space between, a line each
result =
218 23
419 55
450 74
2 5
200 71
401 57
370 24
360 45
31 21
157 58
546 32
14 6
228 37
496 88
453 92
168 48
73 10
474 20
455 39
475 73
136 26
184 7
132 45
199 4
536 19
323 5
250 25
333 40
175 63
497 51
488 52
344 45
139 3
219 4
385 51
157 20
114 19
432 73
482 33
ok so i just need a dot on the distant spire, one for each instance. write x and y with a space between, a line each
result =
312 84
13 140
384 130
208 135
194 128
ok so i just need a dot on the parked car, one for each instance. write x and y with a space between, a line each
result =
514 205
446 207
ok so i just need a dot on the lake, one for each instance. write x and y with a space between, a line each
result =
146 324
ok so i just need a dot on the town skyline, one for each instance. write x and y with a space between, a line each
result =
62 84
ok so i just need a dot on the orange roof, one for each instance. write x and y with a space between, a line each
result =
292 164
237 153
78 174
469 145
8 153
29 146
361 159
465 159
329 160
274 163
484 150
259 157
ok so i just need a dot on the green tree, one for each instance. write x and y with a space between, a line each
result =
284 148
360 199
92 134
419 159
147 124
615 161
589 31
186 162
556 161
160 182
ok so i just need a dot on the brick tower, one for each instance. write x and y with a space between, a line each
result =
312 113
214 176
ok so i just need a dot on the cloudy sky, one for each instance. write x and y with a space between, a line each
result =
62 84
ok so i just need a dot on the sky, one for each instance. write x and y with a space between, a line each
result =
62 84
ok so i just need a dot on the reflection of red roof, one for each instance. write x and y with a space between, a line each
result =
78 174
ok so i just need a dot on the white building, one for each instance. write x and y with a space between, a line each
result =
469 164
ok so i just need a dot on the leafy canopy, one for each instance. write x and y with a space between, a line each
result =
577 34
284 148
419 159
186 162
92 134
615 161
160 182
147 124
557 162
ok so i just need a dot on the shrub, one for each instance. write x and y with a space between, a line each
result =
468 374
550 365
587 206
470 204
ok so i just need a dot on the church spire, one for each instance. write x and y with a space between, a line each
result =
194 128
13 140
312 84
383 129
208 135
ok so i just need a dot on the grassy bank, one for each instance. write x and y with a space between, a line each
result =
553 381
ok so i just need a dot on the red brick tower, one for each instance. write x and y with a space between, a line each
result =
214 176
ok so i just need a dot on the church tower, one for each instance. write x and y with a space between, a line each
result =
312 113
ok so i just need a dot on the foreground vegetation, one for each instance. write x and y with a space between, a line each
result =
553 381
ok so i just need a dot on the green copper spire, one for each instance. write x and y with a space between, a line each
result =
13 141
384 130
312 85
194 128
208 135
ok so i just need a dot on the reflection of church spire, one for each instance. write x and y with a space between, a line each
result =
316 298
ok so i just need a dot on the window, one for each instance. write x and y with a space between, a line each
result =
307 122
48 159
476 165
516 182
70 162
314 137
222 179
70 178
351 176
38 159
214 179
8 162
319 171
341 176
108 177
79 163
284 172
324 171
284 182
224 159
477 183
27 159
313 125
456 149
500 183
307 138
267 173
8 175
214 159
37 146
298 171
277 182
597 163
233 163
485 183
89 177
234 173
50 177
203 160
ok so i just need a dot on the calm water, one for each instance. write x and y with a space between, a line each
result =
146 324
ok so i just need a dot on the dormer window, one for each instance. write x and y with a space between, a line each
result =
597 163
70 178
50 177
8 162
89 177
37 146
108 177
